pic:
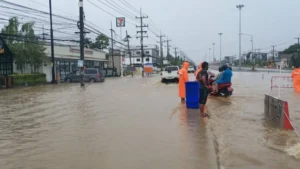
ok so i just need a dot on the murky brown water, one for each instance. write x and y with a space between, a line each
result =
138 123
120 124
245 140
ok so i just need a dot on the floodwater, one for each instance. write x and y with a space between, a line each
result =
134 123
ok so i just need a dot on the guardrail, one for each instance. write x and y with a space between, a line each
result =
282 82
277 112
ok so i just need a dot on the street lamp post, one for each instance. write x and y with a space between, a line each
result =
240 35
213 52
209 55
220 47
251 40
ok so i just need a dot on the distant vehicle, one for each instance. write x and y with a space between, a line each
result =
170 73
90 75
191 69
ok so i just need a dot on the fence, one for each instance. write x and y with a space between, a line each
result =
277 112
282 82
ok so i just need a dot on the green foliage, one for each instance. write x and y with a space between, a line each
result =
24 45
101 42
292 49
29 79
174 60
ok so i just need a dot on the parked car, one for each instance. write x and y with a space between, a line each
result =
90 75
191 69
170 73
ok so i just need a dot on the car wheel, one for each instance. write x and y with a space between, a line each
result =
92 80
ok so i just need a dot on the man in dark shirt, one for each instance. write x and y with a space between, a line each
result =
203 80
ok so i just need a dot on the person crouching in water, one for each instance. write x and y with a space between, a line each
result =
183 77
204 90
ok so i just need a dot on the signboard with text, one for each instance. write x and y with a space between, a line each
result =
120 21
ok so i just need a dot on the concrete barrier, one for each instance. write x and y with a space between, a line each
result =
277 112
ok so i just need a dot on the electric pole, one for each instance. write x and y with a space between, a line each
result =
273 51
176 55
112 46
52 45
168 47
161 50
298 47
43 34
142 37
81 27
129 52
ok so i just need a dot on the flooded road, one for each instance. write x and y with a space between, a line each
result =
120 124
244 139
139 123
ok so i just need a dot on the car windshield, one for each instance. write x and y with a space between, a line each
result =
171 68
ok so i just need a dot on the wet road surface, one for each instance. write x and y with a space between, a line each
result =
139 123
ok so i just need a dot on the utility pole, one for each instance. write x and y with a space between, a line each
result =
273 51
213 52
44 33
240 35
161 50
176 55
142 37
52 44
298 47
129 52
112 45
168 47
81 23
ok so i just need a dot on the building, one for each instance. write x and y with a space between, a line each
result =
66 59
151 55
6 59
253 56
229 59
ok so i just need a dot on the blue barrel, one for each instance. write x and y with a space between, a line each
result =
192 95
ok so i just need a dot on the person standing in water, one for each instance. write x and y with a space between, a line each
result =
183 77
296 78
203 91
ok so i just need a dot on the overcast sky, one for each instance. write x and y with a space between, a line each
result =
193 25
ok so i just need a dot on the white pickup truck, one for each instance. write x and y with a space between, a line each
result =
191 69
170 73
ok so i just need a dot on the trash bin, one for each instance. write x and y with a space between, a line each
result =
192 95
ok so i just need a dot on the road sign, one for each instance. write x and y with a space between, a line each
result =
80 63
120 21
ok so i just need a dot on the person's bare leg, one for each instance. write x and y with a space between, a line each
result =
202 107
182 100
